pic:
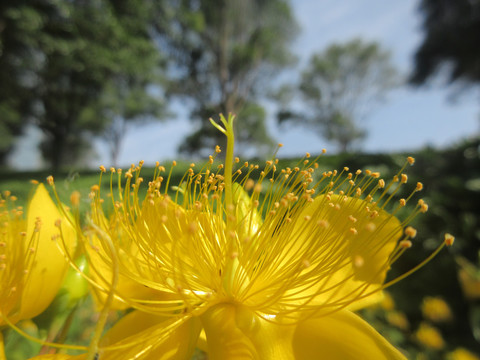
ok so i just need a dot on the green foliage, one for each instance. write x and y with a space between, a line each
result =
79 65
451 41
340 86
224 54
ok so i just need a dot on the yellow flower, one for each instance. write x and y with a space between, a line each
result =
462 354
430 336
32 265
398 319
266 269
469 277
436 309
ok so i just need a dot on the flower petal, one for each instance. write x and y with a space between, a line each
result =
150 337
235 332
49 268
343 336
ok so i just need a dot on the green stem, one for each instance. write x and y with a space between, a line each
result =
229 159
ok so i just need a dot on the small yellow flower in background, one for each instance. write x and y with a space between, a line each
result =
32 265
429 336
469 277
397 319
462 354
436 309
265 269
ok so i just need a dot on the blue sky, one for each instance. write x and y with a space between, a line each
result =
411 118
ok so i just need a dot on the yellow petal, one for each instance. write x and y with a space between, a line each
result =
341 336
158 338
235 332
49 268
101 273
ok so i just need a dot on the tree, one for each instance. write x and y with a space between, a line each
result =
81 50
88 46
340 86
451 42
224 56
18 29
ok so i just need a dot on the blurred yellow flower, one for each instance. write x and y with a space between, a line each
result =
32 266
398 319
469 277
265 269
436 309
462 354
430 336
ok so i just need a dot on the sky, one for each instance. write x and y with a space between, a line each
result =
410 118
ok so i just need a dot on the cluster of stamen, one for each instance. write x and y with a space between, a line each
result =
264 250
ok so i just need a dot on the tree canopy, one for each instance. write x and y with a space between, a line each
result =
224 54
451 41
63 56
340 86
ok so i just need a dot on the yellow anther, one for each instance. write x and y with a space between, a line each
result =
174 163
381 183
358 172
402 202
217 149
34 182
419 186
307 218
411 160
353 231
75 198
358 191
352 219
95 188
102 169
324 151
410 232
346 168
449 239
50 180
404 178
376 175
358 261
323 223
405 244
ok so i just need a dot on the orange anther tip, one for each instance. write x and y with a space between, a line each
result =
449 239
